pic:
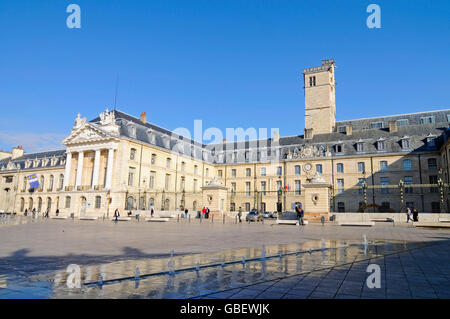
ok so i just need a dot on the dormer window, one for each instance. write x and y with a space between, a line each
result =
339 148
342 129
402 122
376 125
405 142
427 120
431 140
380 145
359 146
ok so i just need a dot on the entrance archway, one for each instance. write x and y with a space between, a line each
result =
83 204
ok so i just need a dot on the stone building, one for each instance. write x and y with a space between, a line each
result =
121 161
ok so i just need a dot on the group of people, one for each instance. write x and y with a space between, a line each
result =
412 215
35 213
205 212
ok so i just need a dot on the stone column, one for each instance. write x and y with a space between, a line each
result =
67 170
109 168
79 169
96 169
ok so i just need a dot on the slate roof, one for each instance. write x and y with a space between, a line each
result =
19 162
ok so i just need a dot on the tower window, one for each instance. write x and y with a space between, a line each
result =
312 81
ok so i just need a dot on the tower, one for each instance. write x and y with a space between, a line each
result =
320 103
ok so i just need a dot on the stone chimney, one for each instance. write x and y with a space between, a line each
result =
143 117
308 133
393 126
17 152
348 130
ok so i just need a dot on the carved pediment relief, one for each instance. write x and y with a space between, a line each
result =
87 133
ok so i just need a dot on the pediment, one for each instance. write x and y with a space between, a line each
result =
87 133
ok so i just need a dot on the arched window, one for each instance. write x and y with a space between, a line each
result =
41 183
67 201
22 204
194 205
25 183
30 204
167 204
142 203
151 203
50 183
232 207
130 203
61 181
49 204
39 208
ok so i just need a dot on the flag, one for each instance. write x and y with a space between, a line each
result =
33 180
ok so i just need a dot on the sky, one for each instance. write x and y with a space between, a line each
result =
228 63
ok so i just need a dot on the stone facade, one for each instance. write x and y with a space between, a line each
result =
121 161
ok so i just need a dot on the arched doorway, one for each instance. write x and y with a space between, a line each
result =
39 205
130 203
49 204
167 204
83 203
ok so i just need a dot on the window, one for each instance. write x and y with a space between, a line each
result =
233 207
402 122
427 120
279 170
383 166
408 181
361 167
132 154
131 173
312 81
130 203
407 165
219 173
342 129
247 188
183 166
405 143
338 148
67 201
182 183
298 189
376 125
340 186
319 168
360 147
448 117
433 180
297 170
435 207
233 188
341 207
248 172
263 171
98 201
207 172
25 183
22 204
233 172
61 181
152 180
340 168
50 183
247 207
195 170
279 187
168 162
431 141
384 181
195 185
167 185
153 159
263 188
380 146
432 163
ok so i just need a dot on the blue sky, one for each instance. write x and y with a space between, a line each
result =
229 63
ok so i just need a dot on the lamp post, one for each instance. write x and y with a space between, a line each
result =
401 185
364 189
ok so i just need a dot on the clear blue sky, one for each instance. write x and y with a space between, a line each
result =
229 63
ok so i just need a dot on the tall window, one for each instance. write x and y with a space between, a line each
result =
383 166
248 172
405 143
297 170
432 163
319 168
312 81
233 172
279 185
50 183
195 185
338 148
98 201
384 181
168 162
298 188
207 172
67 201
263 188
263 171
233 188
380 145
195 170
153 159
340 168
407 165
360 147
152 180
433 180
279 170
183 166
131 173
182 183
361 167
61 181
247 188
340 185
408 181
219 173
247 207
167 185
132 154
25 183
360 184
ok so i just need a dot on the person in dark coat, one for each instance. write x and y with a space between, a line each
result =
415 215
116 215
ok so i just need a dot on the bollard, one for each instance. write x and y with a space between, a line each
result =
189 219
178 218
223 219
201 217
212 219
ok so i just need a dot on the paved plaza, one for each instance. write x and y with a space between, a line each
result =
415 262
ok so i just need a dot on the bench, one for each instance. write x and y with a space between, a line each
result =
290 222
156 219
58 217
88 218
382 220
437 225
444 220
365 224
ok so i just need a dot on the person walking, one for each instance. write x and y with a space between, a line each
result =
240 214
152 211
186 213
302 214
116 215
415 215
57 212
203 212
207 212
408 215
25 213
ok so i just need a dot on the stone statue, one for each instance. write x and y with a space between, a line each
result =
107 118
79 122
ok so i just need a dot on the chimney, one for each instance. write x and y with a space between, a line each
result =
17 152
276 136
348 130
143 117
308 133
393 126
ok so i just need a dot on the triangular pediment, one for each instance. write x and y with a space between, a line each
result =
85 134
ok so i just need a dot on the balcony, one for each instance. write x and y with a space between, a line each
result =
83 188
69 188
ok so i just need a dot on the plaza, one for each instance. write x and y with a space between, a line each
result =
313 261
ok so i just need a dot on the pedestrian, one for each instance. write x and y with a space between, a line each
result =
203 212
116 215
152 211
46 213
302 214
240 214
186 213
57 212
25 213
299 212
207 212
408 215
34 213
415 215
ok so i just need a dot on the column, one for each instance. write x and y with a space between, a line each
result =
79 169
67 170
96 169
109 168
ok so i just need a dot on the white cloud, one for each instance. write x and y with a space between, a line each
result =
32 142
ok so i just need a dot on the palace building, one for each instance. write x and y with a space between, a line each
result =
120 161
